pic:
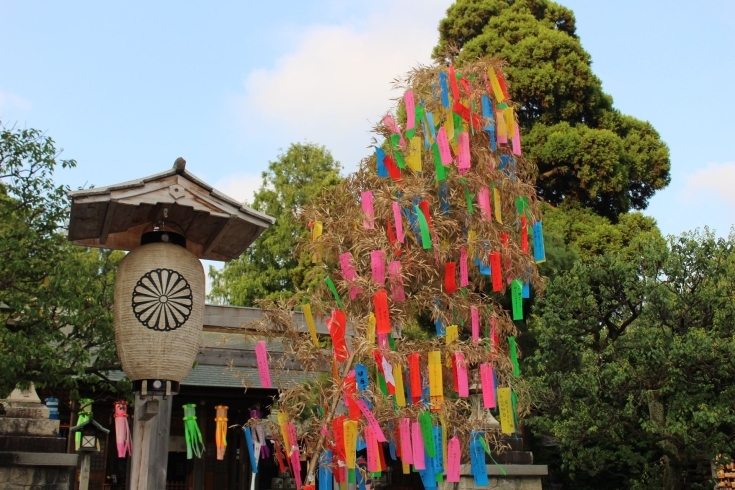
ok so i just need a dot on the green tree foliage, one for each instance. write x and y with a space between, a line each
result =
586 151
271 268
55 298
634 374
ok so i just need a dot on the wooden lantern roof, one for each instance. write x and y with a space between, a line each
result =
217 227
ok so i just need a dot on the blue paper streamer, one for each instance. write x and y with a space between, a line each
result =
428 476
382 170
444 198
484 269
526 291
477 460
539 252
324 475
438 460
251 450
359 482
432 128
507 164
445 89
487 112
360 443
361 376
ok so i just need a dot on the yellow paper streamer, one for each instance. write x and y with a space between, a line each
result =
350 427
220 431
371 329
452 334
505 406
510 121
310 323
497 205
436 388
282 421
449 125
400 392
502 128
413 159
499 97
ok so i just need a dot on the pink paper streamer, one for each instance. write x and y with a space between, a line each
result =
463 387
122 430
383 341
454 459
296 466
391 124
368 210
418 446
464 278
262 357
396 289
463 159
371 420
399 222
406 449
377 264
516 141
443 143
348 272
483 200
488 387
410 110
373 463
475 316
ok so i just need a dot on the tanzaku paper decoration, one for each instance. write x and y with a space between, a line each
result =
220 431
193 438
441 222
122 429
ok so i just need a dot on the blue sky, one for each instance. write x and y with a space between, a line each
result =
127 88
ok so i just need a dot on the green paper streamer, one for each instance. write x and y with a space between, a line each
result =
194 442
514 356
441 172
329 282
391 342
351 476
399 160
487 450
501 106
85 413
458 125
419 113
395 139
516 296
427 433
467 196
410 133
424 226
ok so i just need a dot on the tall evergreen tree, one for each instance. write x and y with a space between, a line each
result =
586 150
271 268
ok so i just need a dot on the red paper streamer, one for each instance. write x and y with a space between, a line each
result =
393 170
464 113
350 389
501 80
414 367
496 271
524 235
337 325
382 312
450 277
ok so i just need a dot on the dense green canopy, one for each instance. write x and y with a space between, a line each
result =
633 372
586 151
56 298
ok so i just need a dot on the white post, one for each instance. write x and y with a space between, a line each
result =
151 428
84 472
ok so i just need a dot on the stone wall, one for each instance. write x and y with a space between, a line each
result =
35 478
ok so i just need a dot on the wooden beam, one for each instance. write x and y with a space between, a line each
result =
214 238
213 356
109 213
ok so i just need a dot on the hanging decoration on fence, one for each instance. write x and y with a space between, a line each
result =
220 431
122 429
85 413
192 436
441 222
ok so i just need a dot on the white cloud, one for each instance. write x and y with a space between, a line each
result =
711 184
9 101
337 81
241 187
